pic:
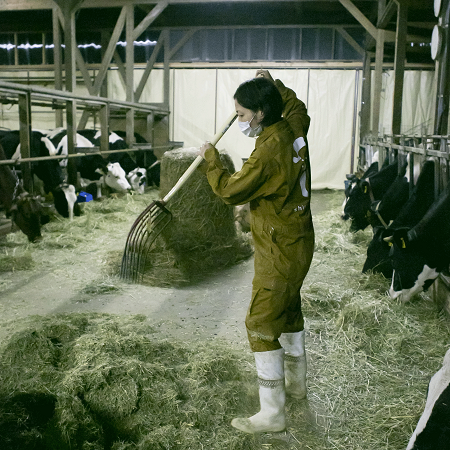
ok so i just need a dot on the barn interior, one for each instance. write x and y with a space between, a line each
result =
373 75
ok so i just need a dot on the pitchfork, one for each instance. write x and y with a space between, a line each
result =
151 222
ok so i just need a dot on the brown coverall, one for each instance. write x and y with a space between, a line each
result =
276 180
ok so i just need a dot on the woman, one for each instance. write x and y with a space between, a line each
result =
276 180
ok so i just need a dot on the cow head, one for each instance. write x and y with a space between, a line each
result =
357 206
137 179
26 213
65 201
411 273
115 177
378 254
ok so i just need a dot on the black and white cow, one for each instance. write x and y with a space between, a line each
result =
48 171
412 211
93 168
421 252
352 181
24 209
365 192
133 163
433 429
145 159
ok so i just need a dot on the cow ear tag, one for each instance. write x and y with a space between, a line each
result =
365 189
403 242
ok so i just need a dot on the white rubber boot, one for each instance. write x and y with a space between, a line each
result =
272 397
294 363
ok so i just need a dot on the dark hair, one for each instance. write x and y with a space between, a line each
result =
261 94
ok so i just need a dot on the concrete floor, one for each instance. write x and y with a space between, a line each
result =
213 309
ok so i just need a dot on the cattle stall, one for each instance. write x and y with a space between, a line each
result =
89 360
418 150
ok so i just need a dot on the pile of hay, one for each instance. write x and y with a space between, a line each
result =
201 239
370 357
101 232
105 382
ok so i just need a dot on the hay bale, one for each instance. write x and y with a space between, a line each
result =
200 218
201 238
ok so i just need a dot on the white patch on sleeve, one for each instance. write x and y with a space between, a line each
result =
305 192
299 143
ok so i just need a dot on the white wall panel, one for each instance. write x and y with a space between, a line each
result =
194 96
418 103
331 106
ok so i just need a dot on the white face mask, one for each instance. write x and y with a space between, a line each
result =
248 130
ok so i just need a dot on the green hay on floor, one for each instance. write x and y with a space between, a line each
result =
167 267
109 382
13 263
103 381
101 233
371 357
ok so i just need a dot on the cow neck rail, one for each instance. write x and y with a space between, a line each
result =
91 151
428 145
52 95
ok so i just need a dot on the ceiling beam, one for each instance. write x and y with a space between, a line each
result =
351 41
360 17
12 5
148 20
387 15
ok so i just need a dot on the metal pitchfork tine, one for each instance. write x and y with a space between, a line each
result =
151 222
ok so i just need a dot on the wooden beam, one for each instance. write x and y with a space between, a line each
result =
148 68
71 105
68 6
181 42
151 16
360 17
399 67
378 79
166 87
129 68
387 14
79 60
110 50
364 126
17 5
350 40
25 138
121 66
57 61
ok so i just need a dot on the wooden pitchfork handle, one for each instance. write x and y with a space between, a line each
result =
198 160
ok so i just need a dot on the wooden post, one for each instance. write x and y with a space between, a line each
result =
71 105
365 97
129 68
57 63
379 56
399 67
166 37
25 138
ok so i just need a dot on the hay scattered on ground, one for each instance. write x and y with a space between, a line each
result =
101 232
105 382
371 357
